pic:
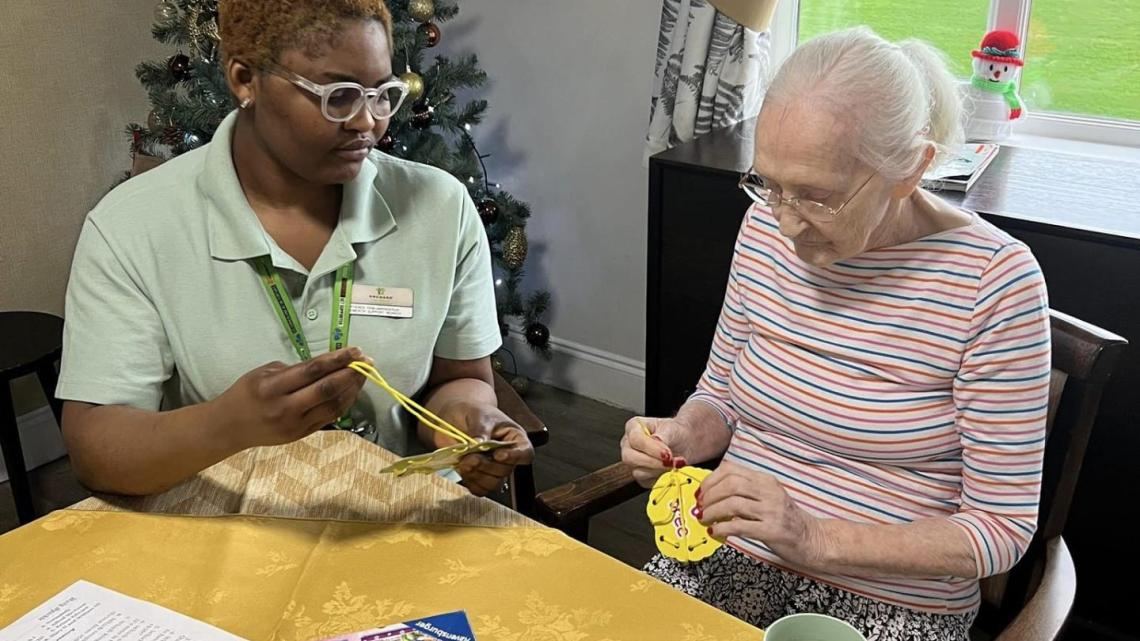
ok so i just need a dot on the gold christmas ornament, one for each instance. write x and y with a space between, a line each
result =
210 30
193 30
203 32
422 10
514 248
415 84
496 363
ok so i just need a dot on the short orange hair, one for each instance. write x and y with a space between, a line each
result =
257 31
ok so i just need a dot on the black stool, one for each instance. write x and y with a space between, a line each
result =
30 343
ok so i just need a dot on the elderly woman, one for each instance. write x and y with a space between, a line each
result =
878 380
208 307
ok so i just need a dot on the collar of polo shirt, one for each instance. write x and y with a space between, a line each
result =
236 234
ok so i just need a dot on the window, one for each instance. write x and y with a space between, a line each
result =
1081 78
1083 58
957 33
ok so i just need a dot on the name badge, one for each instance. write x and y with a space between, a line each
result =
386 302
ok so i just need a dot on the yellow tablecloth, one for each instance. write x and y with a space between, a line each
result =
265 578
308 540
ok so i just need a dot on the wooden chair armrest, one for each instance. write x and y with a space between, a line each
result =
516 408
1044 616
567 507
572 504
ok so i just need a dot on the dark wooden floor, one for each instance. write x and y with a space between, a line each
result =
53 487
584 436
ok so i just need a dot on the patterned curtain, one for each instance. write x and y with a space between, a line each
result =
711 73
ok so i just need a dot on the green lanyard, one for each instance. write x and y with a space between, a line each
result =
282 304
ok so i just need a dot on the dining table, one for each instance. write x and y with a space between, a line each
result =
309 540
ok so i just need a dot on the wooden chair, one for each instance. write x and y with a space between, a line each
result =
1043 616
30 343
1033 598
1084 357
521 490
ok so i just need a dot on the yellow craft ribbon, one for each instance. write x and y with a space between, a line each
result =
425 416
441 459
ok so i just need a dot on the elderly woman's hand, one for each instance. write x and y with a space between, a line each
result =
653 445
737 501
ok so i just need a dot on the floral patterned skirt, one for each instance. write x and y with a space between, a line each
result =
758 594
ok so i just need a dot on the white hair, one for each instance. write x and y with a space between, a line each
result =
899 97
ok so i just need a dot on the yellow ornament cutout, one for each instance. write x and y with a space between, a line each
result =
672 503
441 459
444 458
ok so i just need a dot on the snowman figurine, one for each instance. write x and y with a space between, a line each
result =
991 99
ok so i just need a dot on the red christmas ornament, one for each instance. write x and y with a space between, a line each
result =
179 66
387 142
423 115
488 211
431 33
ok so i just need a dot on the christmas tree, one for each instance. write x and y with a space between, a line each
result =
189 98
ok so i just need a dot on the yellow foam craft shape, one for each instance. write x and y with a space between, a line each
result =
441 459
672 501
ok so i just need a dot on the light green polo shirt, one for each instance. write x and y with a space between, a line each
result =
164 307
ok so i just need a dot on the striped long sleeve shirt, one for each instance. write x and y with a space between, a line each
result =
910 382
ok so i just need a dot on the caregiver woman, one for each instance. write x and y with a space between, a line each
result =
174 356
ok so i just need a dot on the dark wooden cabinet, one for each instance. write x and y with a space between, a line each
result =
1080 217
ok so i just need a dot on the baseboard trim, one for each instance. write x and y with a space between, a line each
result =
584 370
39 438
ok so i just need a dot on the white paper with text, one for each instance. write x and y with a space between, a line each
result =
88 612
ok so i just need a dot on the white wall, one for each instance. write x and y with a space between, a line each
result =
67 91
570 82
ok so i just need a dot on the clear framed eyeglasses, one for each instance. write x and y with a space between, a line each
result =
759 189
342 101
